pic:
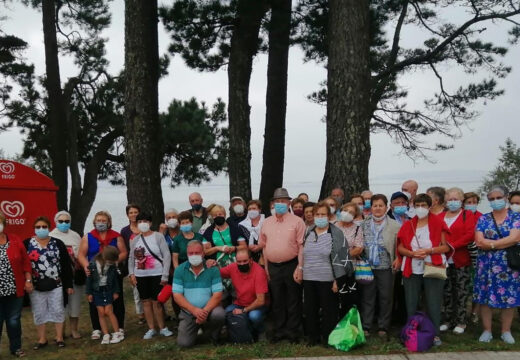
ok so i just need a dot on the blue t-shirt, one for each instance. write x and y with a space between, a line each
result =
197 289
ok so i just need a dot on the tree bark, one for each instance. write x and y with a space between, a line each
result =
142 147
244 45
348 105
57 119
276 101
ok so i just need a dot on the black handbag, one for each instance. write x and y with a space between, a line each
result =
45 284
512 252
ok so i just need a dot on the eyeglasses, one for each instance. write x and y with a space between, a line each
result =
495 198
41 227
64 221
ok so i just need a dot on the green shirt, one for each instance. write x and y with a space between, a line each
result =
220 239
197 223
180 245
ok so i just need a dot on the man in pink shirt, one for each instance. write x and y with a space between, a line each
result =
281 238
250 283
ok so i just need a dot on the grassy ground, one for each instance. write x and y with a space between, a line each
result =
165 348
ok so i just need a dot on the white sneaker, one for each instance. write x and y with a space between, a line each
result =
507 338
122 331
165 332
149 334
444 327
459 330
106 339
117 337
200 332
485 337
96 335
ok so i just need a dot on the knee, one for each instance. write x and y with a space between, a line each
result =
256 316
185 341
218 314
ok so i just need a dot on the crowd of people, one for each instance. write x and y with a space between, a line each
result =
297 263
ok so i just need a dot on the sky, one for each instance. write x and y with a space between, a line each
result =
474 153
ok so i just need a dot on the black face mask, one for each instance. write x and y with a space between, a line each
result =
243 268
196 207
219 220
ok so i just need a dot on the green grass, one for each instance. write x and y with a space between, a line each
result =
165 348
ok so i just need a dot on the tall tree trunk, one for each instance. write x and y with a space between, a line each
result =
142 148
275 100
244 45
57 119
348 105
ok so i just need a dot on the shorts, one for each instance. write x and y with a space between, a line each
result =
103 296
149 287
47 306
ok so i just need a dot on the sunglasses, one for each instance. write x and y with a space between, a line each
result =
41 227
64 221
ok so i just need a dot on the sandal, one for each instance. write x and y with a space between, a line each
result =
19 353
39 345
61 344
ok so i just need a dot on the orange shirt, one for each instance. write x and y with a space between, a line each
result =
282 237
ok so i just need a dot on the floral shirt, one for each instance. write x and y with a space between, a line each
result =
7 284
45 262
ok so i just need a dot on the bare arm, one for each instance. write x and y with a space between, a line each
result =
82 252
123 251
512 239
175 258
213 302
259 302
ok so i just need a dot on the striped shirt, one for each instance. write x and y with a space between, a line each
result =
197 289
316 257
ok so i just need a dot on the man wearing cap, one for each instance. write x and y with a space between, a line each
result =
409 188
238 211
281 238
199 212
399 207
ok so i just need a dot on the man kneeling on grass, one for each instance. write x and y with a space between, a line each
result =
198 292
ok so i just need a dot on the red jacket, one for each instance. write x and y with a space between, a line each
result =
436 227
462 232
20 263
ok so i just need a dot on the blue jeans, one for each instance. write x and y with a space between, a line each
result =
11 312
255 316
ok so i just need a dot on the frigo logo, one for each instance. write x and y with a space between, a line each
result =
7 170
13 211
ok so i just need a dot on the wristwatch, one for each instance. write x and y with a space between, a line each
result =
28 280
244 311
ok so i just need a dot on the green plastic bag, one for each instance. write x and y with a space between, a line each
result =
348 333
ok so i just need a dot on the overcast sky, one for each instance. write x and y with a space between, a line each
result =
305 143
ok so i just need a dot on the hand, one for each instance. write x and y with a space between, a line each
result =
238 311
418 255
254 248
115 296
210 263
70 291
133 280
86 269
298 275
334 287
396 265
201 315
29 287
162 228
164 283
267 274
90 298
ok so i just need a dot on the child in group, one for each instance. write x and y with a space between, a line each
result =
102 289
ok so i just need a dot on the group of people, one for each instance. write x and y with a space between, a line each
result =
298 263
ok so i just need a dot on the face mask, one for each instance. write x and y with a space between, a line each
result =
186 228
280 208
298 212
345 216
143 227
243 268
63 227
332 209
498 204
41 233
238 209
220 220
196 207
172 223
454 205
1 228
515 208
273 212
400 210
195 260
408 195
361 208
101 227
378 218
367 204
321 222
422 212
472 208
253 214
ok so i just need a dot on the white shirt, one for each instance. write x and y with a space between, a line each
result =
254 231
421 241
145 263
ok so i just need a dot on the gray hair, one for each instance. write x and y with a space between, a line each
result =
498 188
195 242
171 210
59 213
456 190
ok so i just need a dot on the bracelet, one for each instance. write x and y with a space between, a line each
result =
28 280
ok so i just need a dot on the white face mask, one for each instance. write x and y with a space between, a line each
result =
1 228
332 209
514 207
195 260
422 212
172 223
253 214
408 195
143 227
347 217
238 209
273 212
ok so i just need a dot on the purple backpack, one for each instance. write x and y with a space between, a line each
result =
418 333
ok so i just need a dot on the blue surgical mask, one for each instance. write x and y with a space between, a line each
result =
280 208
361 208
186 227
41 233
367 204
63 227
498 204
400 210
454 205
321 222
472 208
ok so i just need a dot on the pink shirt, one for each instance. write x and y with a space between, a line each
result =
282 237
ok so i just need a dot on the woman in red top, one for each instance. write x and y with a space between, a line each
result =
422 240
15 279
456 290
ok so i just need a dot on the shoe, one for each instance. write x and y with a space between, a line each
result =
117 337
200 332
474 318
507 338
96 335
459 329
106 339
165 332
122 331
141 321
437 341
149 334
19 353
485 337
60 344
40 345
444 327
